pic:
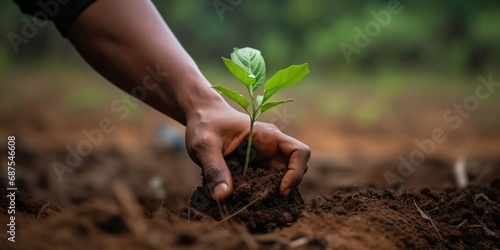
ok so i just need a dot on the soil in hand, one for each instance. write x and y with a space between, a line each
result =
255 201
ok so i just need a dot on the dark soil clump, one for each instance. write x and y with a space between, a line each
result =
255 201
461 219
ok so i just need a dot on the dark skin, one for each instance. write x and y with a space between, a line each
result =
119 40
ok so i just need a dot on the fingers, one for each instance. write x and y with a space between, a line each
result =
206 153
293 175
282 151
277 149
299 155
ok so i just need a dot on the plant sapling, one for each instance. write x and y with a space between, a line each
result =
248 66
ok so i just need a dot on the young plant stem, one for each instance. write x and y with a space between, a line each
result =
253 118
249 147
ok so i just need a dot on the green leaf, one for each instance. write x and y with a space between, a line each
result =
269 105
239 72
285 78
233 95
252 62
259 100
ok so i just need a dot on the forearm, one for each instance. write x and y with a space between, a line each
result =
126 40
120 40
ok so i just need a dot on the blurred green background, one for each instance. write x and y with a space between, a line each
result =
437 48
451 36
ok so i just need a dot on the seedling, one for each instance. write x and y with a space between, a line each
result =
248 66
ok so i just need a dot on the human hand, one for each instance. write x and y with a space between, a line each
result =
213 134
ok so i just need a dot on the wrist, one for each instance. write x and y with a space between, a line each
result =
202 102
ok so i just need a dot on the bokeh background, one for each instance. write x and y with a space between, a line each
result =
355 116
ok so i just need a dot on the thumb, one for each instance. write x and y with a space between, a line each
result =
218 180
216 173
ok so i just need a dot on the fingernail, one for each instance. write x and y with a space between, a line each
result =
220 190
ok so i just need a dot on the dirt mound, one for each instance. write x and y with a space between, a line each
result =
418 219
346 219
255 201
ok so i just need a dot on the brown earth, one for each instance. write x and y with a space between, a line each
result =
255 201
109 202
347 219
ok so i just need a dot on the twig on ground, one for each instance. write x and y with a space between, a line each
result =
224 207
243 208
483 196
157 211
321 199
485 229
195 211
475 226
281 241
461 223
221 212
299 242
427 217
130 208
46 210
488 231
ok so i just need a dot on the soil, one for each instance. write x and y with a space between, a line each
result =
109 202
346 219
255 201
416 219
